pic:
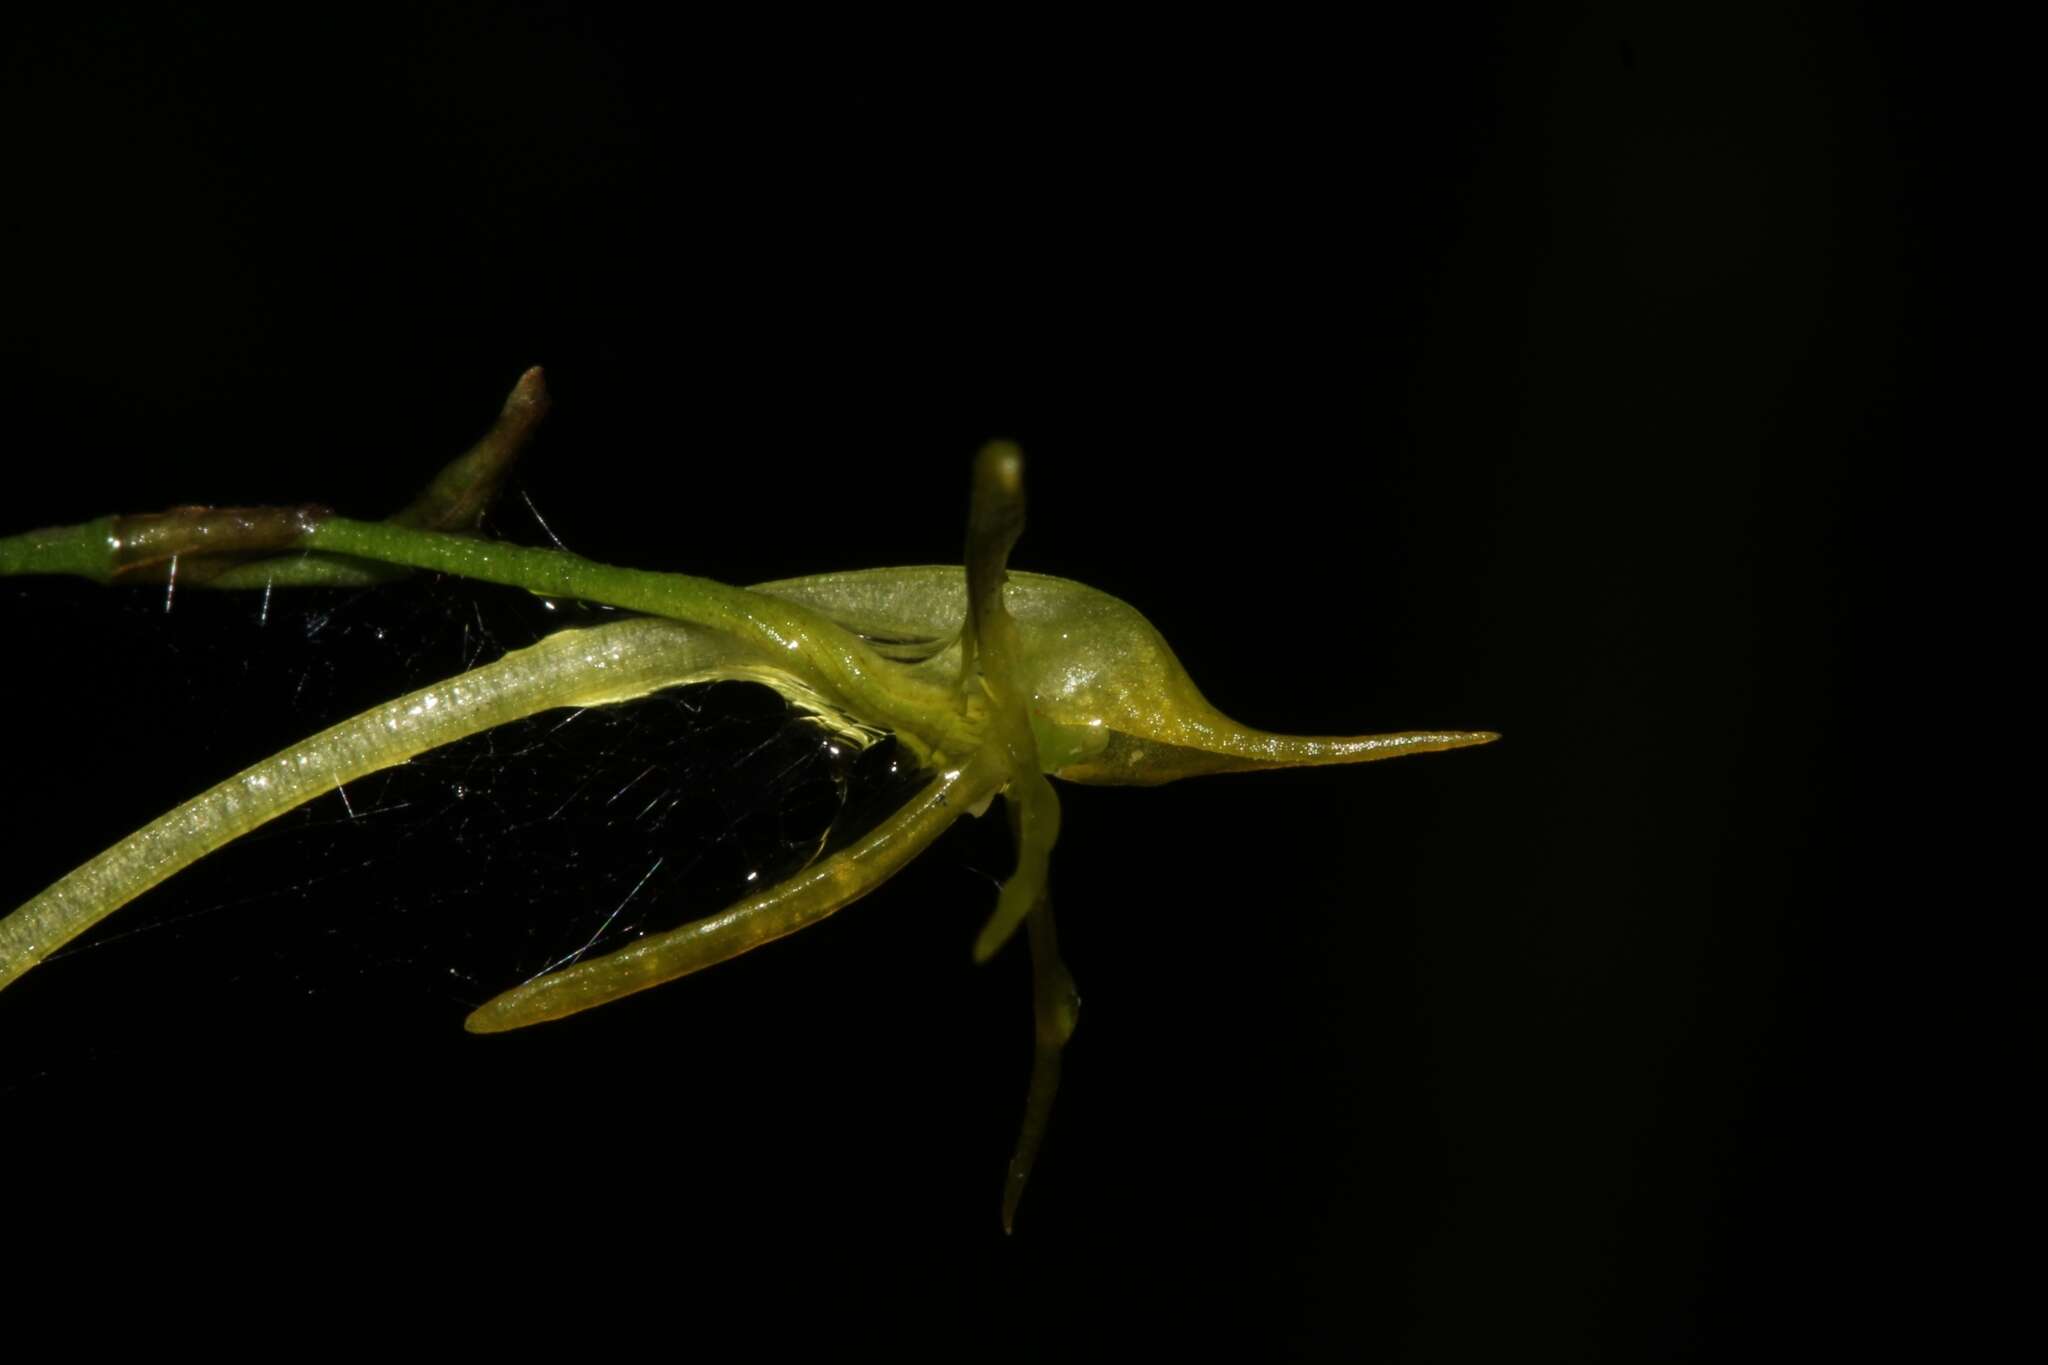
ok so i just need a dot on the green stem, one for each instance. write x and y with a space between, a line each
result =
832 659
82 551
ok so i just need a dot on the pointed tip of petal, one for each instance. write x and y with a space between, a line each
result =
485 1019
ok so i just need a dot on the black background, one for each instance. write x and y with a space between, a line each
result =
1539 373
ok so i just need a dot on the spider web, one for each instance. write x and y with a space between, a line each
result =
476 866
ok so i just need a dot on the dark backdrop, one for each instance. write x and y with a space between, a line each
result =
1544 374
